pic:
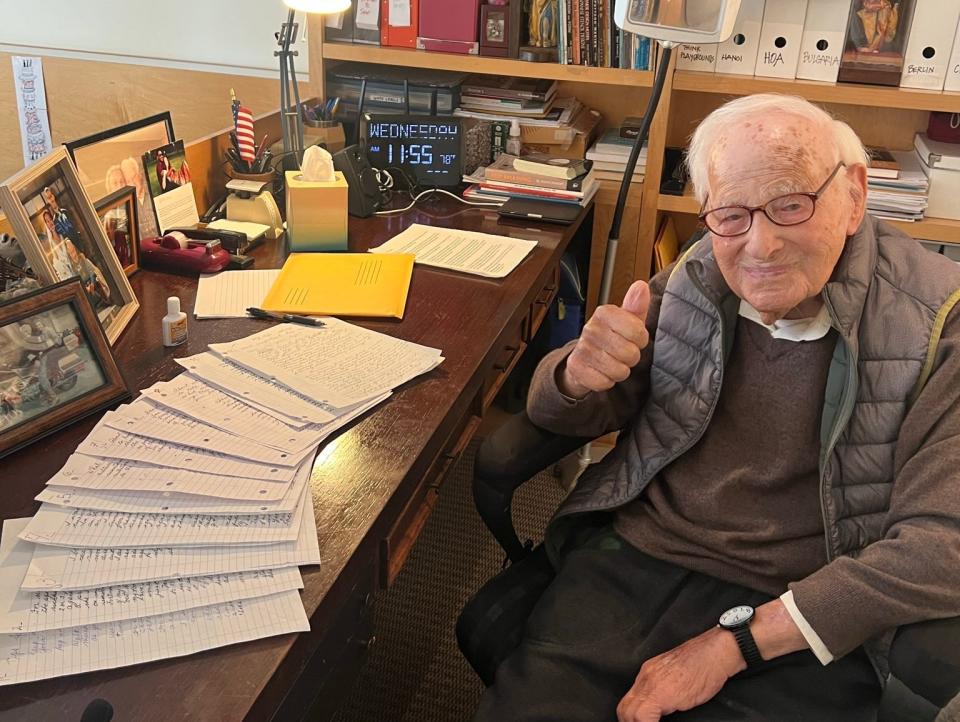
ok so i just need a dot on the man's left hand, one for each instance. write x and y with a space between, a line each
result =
683 678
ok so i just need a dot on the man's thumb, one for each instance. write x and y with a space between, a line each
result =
637 299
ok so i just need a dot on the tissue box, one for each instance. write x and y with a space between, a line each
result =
316 213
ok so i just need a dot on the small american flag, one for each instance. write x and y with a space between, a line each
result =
245 139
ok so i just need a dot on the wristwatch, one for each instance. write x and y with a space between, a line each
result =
737 620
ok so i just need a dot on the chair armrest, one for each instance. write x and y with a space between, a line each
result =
507 458
926 657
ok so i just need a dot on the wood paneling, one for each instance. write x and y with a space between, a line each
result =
86 96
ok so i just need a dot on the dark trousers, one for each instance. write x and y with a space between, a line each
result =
611 607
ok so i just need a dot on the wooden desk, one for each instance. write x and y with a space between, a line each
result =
373 485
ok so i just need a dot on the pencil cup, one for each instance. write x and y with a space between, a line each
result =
270 177
328 133
316 213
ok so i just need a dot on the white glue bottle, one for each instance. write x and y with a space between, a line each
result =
174 323
514 144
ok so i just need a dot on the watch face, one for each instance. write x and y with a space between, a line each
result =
736 617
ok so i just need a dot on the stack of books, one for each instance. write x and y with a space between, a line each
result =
512 97
533 177
610 155
896 185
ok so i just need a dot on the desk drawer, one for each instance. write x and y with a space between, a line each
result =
397 546
541 304
509 352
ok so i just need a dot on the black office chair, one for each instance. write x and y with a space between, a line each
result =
924 658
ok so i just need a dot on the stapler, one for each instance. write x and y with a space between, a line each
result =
249 201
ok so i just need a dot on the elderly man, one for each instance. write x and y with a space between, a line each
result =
783 493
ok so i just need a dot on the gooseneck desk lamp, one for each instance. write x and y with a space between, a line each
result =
670 23
291 121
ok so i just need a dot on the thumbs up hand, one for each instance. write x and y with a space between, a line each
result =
609 346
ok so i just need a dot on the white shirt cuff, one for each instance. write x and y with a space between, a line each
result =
813 639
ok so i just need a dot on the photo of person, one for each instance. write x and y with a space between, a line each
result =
166 168
111 160
117 213
67 244
45 361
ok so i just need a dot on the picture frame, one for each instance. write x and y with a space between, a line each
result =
16 274
55 364
110 159
61 235
118 216
877 33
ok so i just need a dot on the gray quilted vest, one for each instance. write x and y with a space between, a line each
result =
888 298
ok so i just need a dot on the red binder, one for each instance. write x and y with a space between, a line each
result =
449 26
399 36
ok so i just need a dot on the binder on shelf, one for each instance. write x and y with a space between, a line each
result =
366 22
926 58
780 37
449 26
702 57
738 55
399 23
953 67
821 45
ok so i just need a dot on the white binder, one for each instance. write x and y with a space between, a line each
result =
926 58
953 67
780 36
738 55
697 57
821 45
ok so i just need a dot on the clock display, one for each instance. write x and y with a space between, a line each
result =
427 146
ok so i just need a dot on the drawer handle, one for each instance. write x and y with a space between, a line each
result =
503 366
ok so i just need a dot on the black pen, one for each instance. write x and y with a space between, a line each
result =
285 317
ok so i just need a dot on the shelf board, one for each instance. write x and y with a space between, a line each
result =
943 230
484 64
842 93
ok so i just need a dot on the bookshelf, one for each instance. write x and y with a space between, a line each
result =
881 115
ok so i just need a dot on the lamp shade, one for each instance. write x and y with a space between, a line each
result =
325 7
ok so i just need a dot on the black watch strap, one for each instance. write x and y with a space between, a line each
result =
748 647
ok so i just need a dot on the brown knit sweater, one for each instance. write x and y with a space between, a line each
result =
743 504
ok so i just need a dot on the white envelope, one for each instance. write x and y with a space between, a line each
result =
953 67
738 55
697 57
927 56
821 45
780 36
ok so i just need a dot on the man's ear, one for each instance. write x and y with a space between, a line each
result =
857 180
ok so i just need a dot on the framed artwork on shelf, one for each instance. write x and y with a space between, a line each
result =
877 33
55 364
61 235
118 216
495 30
109 160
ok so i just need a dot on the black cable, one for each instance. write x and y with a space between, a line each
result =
614 236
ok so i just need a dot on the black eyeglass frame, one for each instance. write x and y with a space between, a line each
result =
751 210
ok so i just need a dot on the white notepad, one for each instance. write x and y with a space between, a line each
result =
229 294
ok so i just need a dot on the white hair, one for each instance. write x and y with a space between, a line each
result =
847 146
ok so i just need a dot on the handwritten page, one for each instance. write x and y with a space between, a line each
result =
91 472
194 398
339 364
229 294
108 443
133 502
62 526
54 568
241 383
481 254
368 14
27 611
292 421
145 418
40 655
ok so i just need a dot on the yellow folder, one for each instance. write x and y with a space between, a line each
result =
342 284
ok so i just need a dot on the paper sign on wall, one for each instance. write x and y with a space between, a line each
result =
32 108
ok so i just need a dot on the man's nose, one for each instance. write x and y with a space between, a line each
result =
763 238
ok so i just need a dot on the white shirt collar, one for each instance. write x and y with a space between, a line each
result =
791 329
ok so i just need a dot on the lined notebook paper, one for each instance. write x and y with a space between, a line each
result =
229 294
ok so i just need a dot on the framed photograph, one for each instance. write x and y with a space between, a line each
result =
16 273
109 160
60 233
55 364
495 29
168 183
118 216
877 34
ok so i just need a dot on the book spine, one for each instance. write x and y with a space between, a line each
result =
595 33
526 179
561 32
580 44
568 5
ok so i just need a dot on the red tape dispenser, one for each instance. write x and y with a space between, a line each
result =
179 253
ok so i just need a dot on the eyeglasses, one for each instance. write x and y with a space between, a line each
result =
787 210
